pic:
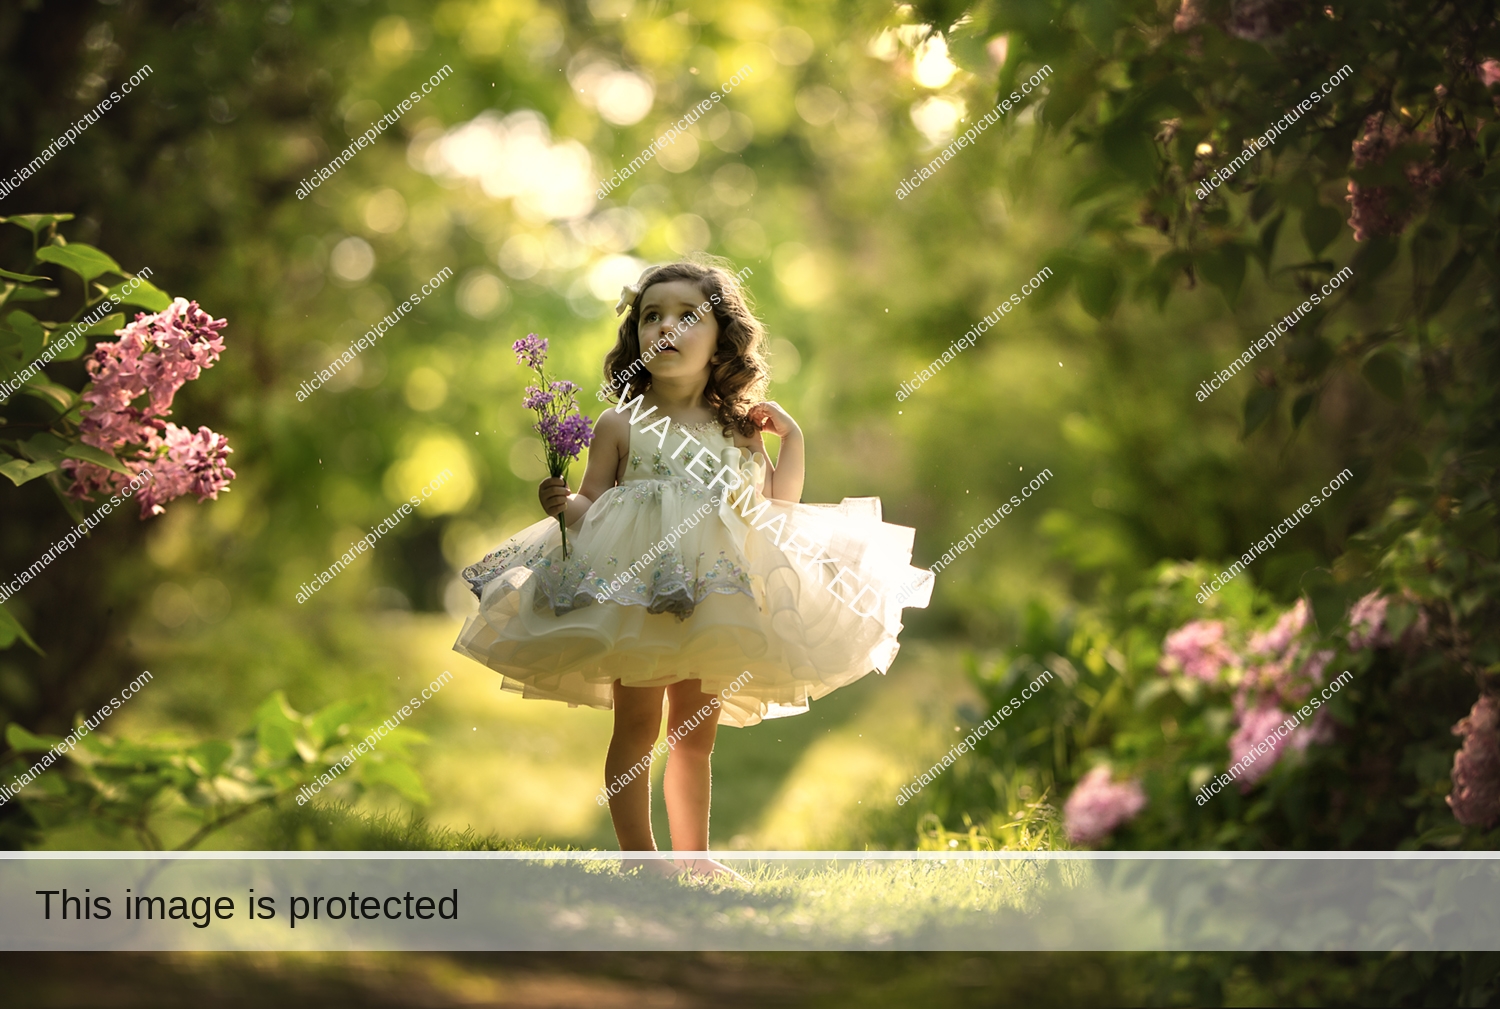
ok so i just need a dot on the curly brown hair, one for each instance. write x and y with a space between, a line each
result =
737 379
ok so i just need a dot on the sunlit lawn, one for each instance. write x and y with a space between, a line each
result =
530 770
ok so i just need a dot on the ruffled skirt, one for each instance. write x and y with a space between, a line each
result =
666 580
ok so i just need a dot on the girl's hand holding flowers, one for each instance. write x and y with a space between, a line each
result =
553 493
565 432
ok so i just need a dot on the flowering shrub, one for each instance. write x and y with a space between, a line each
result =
1168 698
1475 799
1099 805
98 440
154 357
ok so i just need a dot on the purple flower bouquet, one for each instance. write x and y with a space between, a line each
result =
565 431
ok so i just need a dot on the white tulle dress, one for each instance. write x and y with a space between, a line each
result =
671 578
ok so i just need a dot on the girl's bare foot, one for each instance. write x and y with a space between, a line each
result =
654 866
708 868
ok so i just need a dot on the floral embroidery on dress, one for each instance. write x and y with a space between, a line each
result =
671 583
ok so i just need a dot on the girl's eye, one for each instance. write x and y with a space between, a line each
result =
690 318
652 316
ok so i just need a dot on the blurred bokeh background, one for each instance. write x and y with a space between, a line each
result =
493 175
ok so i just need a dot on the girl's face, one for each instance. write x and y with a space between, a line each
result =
678 330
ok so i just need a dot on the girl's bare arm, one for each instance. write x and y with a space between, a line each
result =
784 480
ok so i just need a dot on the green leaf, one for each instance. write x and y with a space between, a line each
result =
1064 100
44 446
1447 281
1064 267
1374 257
1224 267
20 294
1329 600
33 336
325 725
34 223
60 397
147 295
22 741
106 326
84 260
11 629
210 756
1383 371
24 277
1261 202
1320 225
1099 19
1098 288
1410 463
1268 238
399 775
1259 404
967 51
20 471
1128 150
276 727
69 504
1300 407
89 453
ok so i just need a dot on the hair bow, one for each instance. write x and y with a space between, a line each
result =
630 292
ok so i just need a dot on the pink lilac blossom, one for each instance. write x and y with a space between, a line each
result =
1376 210
184 462
153 358
1489 73
1475 799
1367 622
1255 726
1288 627
1197 650
1099 805
1319 730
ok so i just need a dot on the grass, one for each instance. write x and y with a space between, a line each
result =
499 765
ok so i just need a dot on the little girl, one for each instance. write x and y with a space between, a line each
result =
691 570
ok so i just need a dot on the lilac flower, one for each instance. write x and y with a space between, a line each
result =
531 351
571 435
1367 626
1276 640
565 432
1198 650
135 379
1312 669
1475 799
1367 622
184 462
1319 730
1098 805
1255 726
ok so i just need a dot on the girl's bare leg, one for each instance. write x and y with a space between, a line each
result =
637 723
687 783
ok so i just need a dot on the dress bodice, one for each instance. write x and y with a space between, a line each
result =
662 452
